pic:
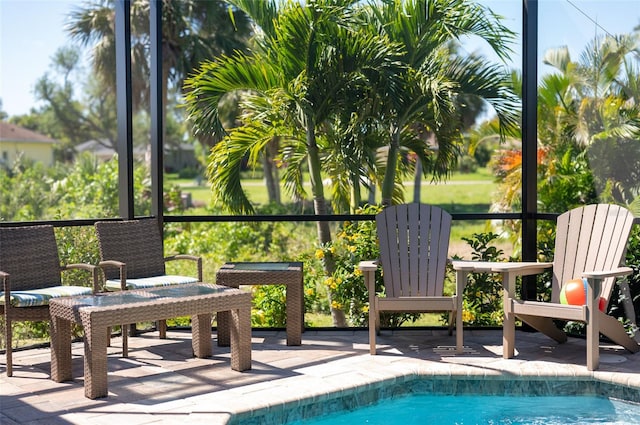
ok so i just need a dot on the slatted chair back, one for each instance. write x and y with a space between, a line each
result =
590 238
30 256
414 244
138 243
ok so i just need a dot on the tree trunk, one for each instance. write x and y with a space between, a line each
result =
320 208
355 194
271 177
388 182
417 182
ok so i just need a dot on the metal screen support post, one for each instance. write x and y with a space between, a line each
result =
157 111
124 108
529 141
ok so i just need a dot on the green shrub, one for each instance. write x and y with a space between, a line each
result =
482 297
355 242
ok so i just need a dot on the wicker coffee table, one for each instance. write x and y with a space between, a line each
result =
267 273
97 313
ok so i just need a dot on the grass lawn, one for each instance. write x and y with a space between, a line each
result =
462 193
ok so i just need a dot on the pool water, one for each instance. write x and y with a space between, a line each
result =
490 410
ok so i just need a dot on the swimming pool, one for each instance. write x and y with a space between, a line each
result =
493 410
458 386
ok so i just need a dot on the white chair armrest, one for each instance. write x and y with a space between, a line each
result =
620 271
367 266
519 268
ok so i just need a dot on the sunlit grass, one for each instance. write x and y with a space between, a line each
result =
462 193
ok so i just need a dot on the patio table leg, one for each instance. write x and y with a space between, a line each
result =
509 322
240 331
201 335
95 358
60 349
295 317
222 319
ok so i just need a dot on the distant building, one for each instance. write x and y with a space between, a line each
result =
16 141
103 152
179 157
176 158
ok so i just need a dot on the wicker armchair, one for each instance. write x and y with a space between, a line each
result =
132 257
30 272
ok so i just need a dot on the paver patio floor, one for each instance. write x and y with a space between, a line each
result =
162 383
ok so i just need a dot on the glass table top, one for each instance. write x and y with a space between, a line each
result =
143 295
109 300
178 291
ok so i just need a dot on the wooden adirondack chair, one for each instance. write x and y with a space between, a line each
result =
590 243
414 244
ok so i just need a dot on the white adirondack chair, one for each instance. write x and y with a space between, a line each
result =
414 243
590 243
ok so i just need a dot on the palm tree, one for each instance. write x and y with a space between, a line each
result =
437 81
588 131
192 31
596 107
307 61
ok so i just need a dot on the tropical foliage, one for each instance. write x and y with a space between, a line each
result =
345 90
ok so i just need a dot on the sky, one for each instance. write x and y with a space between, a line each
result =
32 30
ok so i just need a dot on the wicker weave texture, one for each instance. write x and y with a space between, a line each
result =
292 277
138 243
96 320
30 256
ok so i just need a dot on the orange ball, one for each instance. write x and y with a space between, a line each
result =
574 292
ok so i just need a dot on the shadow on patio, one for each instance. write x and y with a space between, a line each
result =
162 383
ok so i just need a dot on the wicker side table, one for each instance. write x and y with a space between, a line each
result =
267 273
97 313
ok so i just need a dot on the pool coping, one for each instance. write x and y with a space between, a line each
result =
289 406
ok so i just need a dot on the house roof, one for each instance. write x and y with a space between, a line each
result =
101 148
13 133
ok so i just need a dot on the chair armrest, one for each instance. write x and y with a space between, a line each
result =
6 287
123 270
111 263
369 265
518 268
195 258
88 267
620 271
368 269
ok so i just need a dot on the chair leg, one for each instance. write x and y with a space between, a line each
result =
125 340
373 330
9 352
162 329
459 332
612 329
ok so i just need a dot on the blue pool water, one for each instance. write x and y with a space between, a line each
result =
489 410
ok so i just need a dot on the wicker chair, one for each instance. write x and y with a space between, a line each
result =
132 257
30 272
